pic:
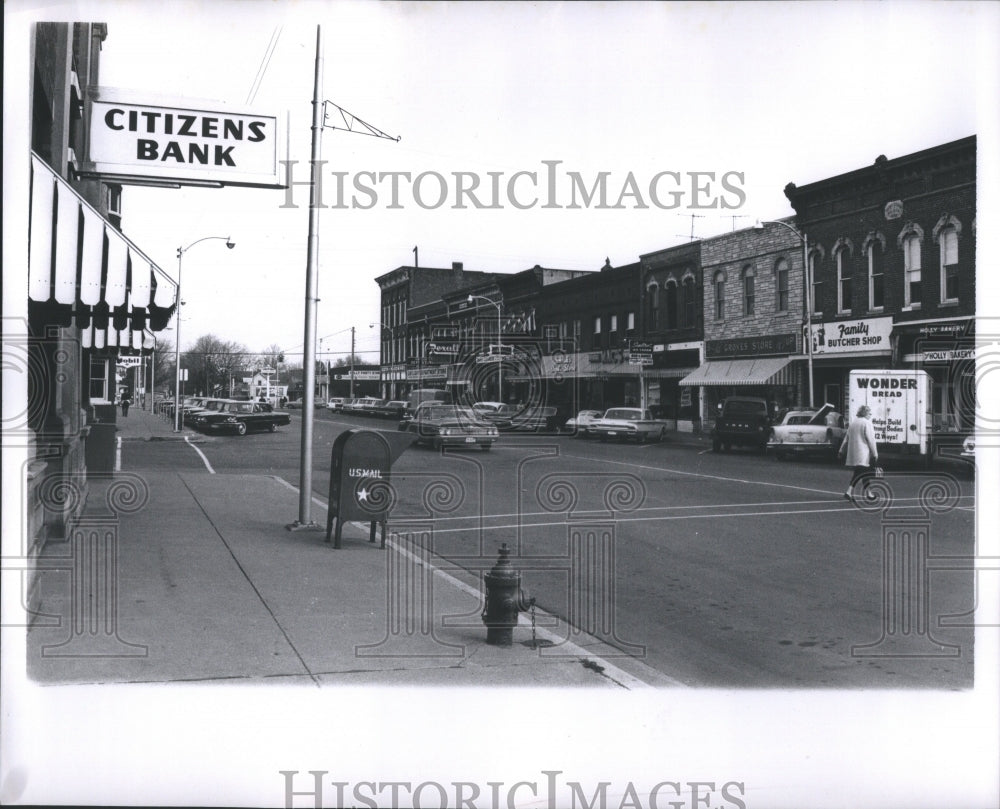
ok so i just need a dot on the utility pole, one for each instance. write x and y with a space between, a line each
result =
352 362
304 521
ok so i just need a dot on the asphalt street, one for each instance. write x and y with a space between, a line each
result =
718 570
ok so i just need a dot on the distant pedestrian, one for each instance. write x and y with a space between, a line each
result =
860 450
125 403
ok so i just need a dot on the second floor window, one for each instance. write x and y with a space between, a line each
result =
843 280
653 296
748 291
912 291
817 284
688 320
720 296
876 275
630 322
949 265
781 285
671 305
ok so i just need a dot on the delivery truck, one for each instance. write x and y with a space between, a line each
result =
900 402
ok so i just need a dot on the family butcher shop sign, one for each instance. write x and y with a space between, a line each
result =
140 141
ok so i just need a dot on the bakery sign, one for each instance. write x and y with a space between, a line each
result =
848 336
136 138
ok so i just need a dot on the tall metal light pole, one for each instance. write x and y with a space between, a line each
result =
471 298
807 271
177 330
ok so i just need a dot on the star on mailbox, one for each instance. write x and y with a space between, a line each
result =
363 496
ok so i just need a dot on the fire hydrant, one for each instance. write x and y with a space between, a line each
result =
504 600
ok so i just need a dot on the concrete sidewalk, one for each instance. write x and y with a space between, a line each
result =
206 584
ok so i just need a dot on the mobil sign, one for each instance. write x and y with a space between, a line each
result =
138 138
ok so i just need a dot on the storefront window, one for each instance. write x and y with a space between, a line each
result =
99 391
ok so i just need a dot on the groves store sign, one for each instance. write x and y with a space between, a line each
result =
762 346
134 139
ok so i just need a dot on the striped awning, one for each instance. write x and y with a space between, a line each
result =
82 271
760 371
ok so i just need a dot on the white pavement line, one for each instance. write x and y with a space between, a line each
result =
619 676
700 474
118 454
668 518
578 513
187 440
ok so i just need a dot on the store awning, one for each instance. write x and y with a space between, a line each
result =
82 271
761 371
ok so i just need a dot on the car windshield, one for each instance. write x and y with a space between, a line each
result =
798 418
738 408
624 414
449 413
239 407
589 414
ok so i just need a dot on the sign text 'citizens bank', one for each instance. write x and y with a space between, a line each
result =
181 142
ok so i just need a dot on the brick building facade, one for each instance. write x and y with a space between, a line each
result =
893 264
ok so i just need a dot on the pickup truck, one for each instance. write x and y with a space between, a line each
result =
628 423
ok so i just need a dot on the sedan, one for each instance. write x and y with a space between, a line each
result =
805 432
453 426
579 425
244 417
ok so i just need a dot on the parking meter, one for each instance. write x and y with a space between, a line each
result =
360 469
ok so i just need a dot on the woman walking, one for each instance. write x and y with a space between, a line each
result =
861 451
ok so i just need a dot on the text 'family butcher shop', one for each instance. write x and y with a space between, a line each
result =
181 143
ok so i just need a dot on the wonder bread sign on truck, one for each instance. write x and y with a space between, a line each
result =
900 402
137 138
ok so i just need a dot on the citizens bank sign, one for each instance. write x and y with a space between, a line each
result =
141 140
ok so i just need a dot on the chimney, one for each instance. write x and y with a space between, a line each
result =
457 266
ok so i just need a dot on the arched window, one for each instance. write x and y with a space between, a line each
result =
815 257
912 290
720 295
670 304
948 242
688 302
747 276
653 311
875 249
781 285
843 257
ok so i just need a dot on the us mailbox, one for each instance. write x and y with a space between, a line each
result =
360 469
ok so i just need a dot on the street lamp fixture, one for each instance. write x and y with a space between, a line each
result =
177 330
470 299
807 271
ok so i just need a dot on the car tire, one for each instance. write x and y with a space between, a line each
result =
272 427
241 429
436 444
486 447
726 447
716 445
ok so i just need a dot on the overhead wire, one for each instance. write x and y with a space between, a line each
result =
265 62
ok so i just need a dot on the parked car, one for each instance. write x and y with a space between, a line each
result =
335 403
535 419
244 417
804 432
627 423
394 409
368 406
197 418
742 421
438 425
581 423
496 413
